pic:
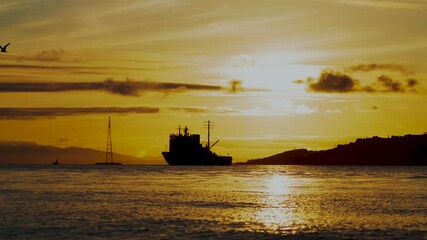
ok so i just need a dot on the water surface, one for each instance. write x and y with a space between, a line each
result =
235 202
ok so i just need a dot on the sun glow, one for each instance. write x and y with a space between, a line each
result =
142 153
274 71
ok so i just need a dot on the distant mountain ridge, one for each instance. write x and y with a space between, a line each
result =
405 150
32 153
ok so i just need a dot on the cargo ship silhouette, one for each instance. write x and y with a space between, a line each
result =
186 149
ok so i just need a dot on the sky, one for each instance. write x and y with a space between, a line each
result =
272 75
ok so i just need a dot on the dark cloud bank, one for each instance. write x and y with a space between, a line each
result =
335 81
54 112
124 88
33 113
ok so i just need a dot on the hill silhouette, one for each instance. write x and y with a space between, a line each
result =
32 153
394 151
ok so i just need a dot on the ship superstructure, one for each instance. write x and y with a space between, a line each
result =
186 149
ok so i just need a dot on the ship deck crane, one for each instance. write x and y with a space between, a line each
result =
214 144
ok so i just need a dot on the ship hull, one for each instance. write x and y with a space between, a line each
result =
196 160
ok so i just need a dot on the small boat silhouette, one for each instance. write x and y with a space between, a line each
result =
56 162
3 49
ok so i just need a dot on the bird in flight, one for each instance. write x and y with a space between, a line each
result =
3 49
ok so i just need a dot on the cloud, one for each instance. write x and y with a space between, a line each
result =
71 68
243 60
368 109
299 81
402 68
387 84
257 111
336 110
303 109
47 56
205 110
411 82
390 84
127 88
392 4
190 109
235 86
124 88
333 81
63 140
33 113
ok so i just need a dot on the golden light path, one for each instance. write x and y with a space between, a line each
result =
278 213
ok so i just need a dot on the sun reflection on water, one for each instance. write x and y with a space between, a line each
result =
277 213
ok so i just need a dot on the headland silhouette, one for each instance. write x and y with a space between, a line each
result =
410 150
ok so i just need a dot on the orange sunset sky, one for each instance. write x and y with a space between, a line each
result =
272 75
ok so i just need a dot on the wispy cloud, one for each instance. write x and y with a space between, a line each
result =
71 68
124 88
283 109
367 67
398 4
34 113
52 55
205 110
368 109
190 109
6 6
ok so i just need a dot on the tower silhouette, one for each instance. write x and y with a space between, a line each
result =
109 151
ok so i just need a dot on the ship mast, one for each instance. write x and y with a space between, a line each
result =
109 151
209 125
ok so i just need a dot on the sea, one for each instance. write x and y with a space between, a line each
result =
224 202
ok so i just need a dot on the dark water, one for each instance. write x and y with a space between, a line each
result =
237 202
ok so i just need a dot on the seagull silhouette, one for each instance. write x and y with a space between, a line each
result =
3 49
